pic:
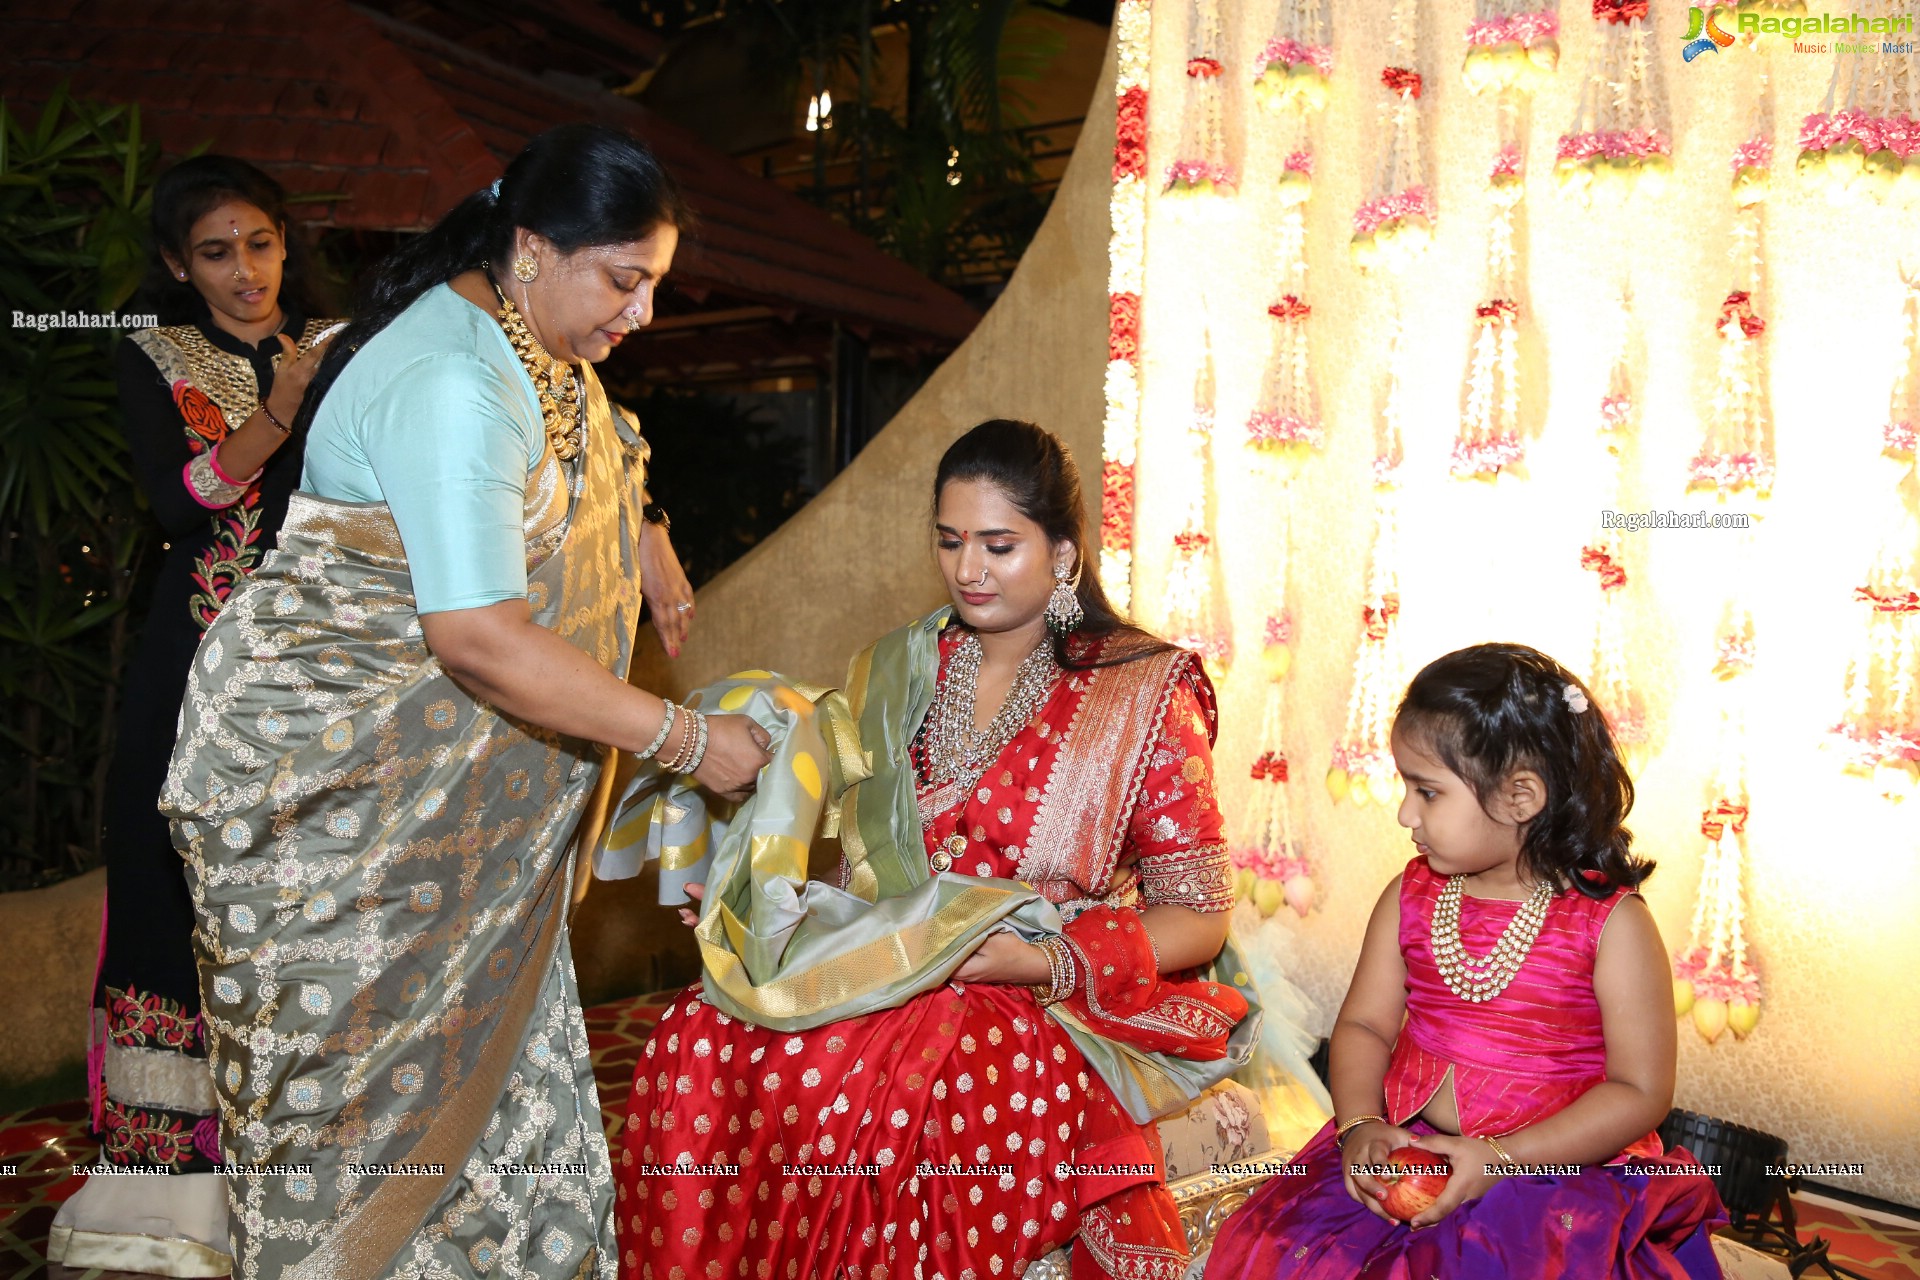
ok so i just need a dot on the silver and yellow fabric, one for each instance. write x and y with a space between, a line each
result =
784 952
381 867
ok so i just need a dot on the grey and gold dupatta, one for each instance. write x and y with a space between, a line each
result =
381 867
781 951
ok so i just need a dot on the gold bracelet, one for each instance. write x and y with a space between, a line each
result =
1498 1149
1340 1134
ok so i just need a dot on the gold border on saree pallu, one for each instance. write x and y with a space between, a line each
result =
1088 800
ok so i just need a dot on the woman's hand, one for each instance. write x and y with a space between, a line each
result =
1003 957
736 753
664 584
1469 1179
295 373
1371 1144
688 916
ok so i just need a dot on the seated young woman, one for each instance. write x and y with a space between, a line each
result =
1023 741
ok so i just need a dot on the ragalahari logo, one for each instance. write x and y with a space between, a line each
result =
1703 34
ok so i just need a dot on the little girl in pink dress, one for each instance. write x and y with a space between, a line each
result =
1537 1048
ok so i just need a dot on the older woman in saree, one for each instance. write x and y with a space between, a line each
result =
394 738
951 1066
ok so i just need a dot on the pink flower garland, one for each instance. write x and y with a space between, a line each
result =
1615 411
1900 441
1755 153
1412 202
1519 28
1898 134
1300 162
1485 457
1613 143
1270 430
1730 473
1292 53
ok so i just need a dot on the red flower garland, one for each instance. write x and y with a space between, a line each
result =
1612 575
1401 80
1130 135
1619 11
1123 327
1290 308
1270 767
1739 305
1190 541
1497 310
1724 813
1908 602
1376 620
1116 505
1203 68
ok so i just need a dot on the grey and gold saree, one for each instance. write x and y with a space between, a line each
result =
381 867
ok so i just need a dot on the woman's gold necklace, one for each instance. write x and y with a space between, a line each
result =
562 407
1477 981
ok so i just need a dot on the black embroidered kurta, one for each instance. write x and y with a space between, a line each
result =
182 389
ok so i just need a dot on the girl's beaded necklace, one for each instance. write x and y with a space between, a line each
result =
1477 981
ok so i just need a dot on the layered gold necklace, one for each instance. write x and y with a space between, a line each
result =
1477 981
562 407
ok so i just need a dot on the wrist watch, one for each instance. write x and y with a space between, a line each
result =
654 513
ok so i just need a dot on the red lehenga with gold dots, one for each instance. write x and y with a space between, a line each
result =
962 1134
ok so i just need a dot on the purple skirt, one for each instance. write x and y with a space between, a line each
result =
1611 1222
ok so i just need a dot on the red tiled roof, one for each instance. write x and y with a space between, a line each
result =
401 123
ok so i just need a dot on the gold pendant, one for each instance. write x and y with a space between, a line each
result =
950 848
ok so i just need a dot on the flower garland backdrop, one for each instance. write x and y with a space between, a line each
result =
1746 668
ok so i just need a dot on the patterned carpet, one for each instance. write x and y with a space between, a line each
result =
44 1142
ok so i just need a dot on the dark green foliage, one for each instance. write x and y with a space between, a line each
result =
74 535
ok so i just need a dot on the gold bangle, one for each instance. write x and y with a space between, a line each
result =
1498 1150
1340 1134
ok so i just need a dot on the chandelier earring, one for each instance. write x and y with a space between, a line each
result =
1063 606
526 269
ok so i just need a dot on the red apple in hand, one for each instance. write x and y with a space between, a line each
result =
1420 1177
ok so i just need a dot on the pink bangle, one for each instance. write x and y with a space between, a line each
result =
213 460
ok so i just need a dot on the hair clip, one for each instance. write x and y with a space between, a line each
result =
1576 699
495 188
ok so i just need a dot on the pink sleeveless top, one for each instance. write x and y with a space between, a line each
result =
1521 1056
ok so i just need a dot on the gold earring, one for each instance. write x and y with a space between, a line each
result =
525 269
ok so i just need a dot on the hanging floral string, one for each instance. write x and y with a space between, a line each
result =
1395 223
1618 143
1736 455
1363 770
1604 556
1713 980
1292 72
1878 735
1869 149
1510 47
1196 615
1126 267
1200 167
1270 861
1509 52
1488 440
